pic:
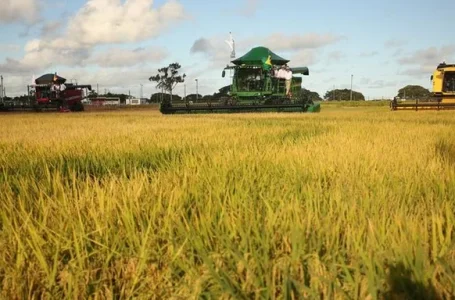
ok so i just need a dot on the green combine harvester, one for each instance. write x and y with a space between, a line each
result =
256 87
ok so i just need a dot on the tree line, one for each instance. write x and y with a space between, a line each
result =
407 92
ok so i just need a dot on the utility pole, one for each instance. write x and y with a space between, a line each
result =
141 89
197 93
1 88
97 89
351 86
184 92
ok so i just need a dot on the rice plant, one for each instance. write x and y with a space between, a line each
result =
345 204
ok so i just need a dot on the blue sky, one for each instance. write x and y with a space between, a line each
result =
119 44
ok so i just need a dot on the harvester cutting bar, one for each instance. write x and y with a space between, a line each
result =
234 108
422 106
17 107
28 107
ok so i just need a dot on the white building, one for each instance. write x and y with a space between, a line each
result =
133 101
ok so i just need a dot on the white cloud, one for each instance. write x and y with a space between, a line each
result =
397 52
425 61
282 42
121 78
13 67
98 22
115 21
214 50
51 28
418 71
430 55
335 56
369 54
19 11
305 57
41 55
250 8
9 47
16 85
394 43
364 81
127 58
55 54
380 84
202 45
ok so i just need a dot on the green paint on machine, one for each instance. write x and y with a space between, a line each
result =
256 87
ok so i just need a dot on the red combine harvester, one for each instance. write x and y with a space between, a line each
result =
51 92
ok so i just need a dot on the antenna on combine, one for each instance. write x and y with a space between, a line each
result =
231 44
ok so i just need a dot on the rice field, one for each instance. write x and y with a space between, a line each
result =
350 203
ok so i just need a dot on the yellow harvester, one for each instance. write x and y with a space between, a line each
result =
442 95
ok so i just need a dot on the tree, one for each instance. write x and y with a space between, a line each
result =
158 97
92 94
413 92
307 94
343 95
193 97
222 92
167 77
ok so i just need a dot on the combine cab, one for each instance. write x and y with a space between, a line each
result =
255 88
442 96
51 93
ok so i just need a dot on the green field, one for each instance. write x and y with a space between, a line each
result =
349 203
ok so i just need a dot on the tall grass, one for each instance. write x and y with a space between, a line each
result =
351 205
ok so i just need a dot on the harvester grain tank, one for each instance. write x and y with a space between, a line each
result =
51 92
443 92
254 88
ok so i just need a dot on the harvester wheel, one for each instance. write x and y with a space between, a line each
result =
37 108
78 106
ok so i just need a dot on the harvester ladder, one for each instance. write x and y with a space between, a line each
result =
281 85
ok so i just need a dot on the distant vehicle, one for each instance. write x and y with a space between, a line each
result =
51 92
442 95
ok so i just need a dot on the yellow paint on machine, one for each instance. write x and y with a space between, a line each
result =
444 83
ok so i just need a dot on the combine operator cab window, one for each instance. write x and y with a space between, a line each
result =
43 92
448 85
249 79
